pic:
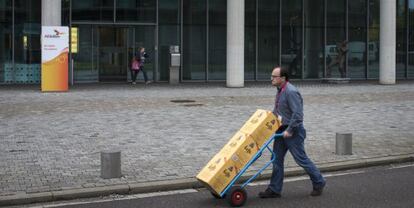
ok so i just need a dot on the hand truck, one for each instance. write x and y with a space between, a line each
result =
236 195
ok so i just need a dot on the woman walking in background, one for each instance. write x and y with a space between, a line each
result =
135 67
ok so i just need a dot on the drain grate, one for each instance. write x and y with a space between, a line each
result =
13 150
193 105
182 101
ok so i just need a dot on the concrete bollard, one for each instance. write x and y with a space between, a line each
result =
111 164
343 143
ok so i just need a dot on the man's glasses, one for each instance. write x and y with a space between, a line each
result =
273 76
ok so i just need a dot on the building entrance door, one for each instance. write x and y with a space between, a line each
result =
143 36
105 52
116 47
112 54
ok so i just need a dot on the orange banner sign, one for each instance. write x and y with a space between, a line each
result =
55 49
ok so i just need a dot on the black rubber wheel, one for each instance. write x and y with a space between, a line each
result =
237 196
217 196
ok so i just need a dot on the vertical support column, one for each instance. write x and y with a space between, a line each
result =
51 12
235 43
387 42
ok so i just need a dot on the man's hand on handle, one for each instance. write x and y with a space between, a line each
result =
287 134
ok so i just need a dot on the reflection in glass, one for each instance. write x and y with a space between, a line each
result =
89 10
410 71
401 39
250 40
135 10
144 37
85 60
373 39
336 47
168 33
6 66
268 37
314 42
217 42
357 31
291 56
112 54
194 37
27 41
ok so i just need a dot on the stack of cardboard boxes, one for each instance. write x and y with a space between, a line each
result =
241 148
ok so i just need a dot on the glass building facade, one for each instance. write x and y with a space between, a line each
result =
315 39
20 41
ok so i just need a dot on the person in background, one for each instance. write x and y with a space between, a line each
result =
295 45
289 106
342 50
135 67
143 55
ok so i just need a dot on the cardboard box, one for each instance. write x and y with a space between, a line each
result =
226 164
261 125
219 172
243 145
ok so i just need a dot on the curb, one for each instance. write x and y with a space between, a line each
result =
136 188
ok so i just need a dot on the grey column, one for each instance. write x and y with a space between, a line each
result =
387 42
51 13
235 43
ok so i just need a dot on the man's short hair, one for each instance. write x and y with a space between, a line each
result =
283 72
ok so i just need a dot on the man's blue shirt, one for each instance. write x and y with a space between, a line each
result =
289 107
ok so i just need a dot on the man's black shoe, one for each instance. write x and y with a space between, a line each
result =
317 191
268 193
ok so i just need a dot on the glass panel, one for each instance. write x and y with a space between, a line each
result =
132 51
6 65
85 67
144 38
169 33
336 45
65 12
90 10
217 42
250 40
194 37
411 39
113 59
357 31
314 42
268 40
291 56
27 41
136 10
373 41
401 55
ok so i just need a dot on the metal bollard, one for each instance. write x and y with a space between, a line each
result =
343 143
111 164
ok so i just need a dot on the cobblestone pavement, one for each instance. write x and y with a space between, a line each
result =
52 141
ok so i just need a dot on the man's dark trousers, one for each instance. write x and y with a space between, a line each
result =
295 145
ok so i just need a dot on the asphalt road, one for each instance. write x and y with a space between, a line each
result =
386 186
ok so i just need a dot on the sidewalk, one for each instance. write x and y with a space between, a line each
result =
50 143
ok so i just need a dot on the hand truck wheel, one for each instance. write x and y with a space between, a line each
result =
236 196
